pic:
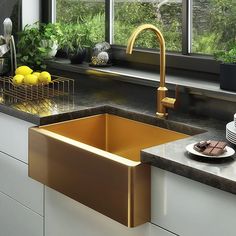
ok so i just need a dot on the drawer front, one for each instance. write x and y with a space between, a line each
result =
14 182
189 208
14 137
17 220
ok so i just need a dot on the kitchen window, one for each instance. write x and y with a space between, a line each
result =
167 17
193 29
213 25
84 12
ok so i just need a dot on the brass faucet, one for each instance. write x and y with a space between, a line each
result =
163 102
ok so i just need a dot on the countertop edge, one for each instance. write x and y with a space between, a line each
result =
189 172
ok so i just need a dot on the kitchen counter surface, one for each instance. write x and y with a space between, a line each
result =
171 156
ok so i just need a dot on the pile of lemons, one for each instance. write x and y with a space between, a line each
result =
25 75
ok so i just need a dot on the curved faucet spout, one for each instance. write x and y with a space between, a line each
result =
161 40
163 102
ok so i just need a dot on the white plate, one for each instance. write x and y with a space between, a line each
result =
229 152
231 136
230 127
229 131
231 140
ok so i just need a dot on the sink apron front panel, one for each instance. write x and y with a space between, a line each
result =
116 190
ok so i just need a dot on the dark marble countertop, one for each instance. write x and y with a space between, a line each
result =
220 173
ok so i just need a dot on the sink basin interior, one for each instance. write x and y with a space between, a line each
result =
114 134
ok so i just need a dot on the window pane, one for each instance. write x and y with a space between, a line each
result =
165 14
89 14
214 25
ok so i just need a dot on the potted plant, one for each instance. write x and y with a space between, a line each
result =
51 36
37 43
75 42
227 67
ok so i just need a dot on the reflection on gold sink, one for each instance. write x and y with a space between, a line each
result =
96 161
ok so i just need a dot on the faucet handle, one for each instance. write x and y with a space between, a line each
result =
176 95
176 91
171 102
168 102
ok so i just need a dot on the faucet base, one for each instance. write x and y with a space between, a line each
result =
161 115
161 94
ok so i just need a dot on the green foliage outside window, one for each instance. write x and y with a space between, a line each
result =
218 33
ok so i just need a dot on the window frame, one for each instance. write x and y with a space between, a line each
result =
149 58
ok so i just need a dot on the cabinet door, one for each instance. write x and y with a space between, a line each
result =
157 231
64 216
14 182
17 220
14 137
189 208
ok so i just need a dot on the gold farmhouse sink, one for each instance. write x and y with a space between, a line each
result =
96 161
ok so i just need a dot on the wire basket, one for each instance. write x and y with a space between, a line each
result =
59 86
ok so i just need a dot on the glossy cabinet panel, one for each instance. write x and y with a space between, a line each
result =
17 220
14 181
14 137
189 208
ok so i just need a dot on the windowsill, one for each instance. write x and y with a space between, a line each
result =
196 83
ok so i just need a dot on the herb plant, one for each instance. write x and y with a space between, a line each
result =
228 55
32 49
75 38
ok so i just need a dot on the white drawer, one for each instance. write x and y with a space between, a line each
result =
189 208
17 220
14 181
14 137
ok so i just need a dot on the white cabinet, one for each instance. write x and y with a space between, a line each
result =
17 220
21 198
14 137
14 182
157 231
64 216
189 208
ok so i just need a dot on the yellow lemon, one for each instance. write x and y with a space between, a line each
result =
45 77
31 79
23 70
18 79
36 74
